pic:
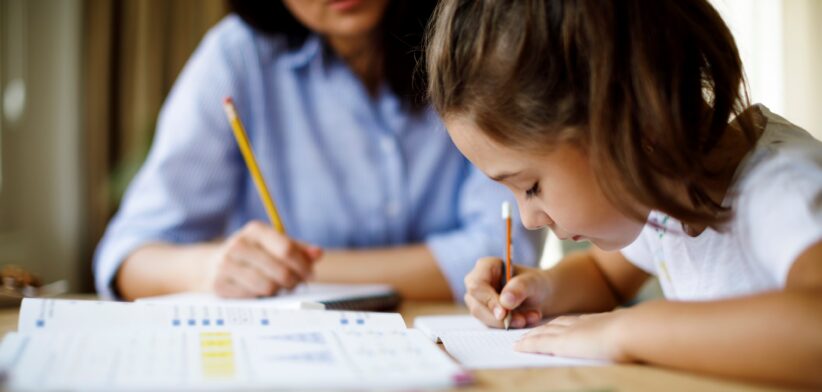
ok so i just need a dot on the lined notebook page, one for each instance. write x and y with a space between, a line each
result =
495 349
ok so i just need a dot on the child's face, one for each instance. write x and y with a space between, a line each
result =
555 189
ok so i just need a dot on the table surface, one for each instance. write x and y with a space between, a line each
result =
605 378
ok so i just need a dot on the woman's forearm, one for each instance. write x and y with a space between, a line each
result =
411 270
158 269
773 337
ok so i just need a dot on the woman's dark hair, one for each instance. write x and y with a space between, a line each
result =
646 88
403 29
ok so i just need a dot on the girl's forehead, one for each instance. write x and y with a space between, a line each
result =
467 135
478 148
498 161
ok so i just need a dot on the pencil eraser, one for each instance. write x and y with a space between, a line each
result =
506 210
228 100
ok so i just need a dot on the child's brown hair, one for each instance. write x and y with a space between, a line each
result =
645 87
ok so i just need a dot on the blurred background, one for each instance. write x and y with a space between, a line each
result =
82 81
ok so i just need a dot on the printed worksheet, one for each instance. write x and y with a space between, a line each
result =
171 359
54 314
116 346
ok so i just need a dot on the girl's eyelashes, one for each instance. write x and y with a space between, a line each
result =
534 191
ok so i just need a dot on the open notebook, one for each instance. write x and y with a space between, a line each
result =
476 346
372 297
96 345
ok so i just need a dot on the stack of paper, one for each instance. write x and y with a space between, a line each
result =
91 345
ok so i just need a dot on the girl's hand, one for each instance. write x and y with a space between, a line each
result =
525 292
593 336
258 261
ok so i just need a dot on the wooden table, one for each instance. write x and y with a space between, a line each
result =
606 378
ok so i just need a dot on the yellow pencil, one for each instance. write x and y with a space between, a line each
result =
251 162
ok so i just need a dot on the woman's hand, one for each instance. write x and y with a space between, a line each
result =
593 336
525 293
258 261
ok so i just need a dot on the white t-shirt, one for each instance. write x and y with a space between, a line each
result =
776 199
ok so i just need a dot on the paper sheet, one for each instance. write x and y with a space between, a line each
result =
49 314
476 346
433 326
112 346
494 349
171 359
304 296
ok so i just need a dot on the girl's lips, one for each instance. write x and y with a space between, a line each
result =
576 238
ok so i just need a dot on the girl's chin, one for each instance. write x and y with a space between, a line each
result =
610 244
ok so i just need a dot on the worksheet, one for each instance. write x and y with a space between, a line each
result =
225 360
59 314
116 346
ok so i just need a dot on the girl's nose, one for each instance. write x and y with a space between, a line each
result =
534 219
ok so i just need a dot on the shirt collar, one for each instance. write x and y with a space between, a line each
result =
311 48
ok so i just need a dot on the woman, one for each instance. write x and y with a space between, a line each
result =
356 163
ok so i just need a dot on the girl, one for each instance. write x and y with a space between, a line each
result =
356 163
622 123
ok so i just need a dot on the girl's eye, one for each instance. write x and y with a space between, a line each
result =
534 191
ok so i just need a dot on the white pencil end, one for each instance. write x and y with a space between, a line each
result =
506 210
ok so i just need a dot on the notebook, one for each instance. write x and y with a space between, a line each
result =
476 346
371 297
116 346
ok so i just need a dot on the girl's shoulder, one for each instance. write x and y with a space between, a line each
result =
776 198
784 155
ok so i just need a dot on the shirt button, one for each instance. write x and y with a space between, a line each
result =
392 209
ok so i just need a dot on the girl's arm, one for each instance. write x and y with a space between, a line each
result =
587 281
773 337
591 281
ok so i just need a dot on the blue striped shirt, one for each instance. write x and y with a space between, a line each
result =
347 169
